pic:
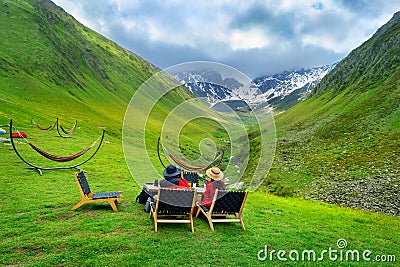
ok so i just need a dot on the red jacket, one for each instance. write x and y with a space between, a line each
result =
209 193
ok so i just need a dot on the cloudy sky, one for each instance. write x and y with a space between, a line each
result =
256 37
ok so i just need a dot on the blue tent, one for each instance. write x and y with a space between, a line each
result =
2 131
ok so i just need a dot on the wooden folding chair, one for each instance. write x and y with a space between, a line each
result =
225 203
173 203
88 196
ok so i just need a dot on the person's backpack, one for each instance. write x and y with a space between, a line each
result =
147 205
142 197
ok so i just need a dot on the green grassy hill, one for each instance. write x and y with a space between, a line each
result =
52 66
342 144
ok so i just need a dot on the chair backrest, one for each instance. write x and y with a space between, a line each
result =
175 201
83 183
192 177
228 202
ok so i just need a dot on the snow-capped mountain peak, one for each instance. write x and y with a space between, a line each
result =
285 83
281 90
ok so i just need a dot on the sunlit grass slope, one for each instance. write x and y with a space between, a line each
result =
52 66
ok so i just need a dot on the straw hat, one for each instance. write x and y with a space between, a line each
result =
215 173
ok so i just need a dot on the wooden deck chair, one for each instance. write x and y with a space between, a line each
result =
225 203
174 203
88 196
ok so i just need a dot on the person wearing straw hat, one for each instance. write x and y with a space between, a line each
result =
216 176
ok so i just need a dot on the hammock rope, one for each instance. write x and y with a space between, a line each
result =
183 165
53 157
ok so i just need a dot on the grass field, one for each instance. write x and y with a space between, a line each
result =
39 229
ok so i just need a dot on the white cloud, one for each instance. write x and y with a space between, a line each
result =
250 39
224 29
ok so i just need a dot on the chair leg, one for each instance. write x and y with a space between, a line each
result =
191 224
78 204
242 223
112 204
198 211
151 210
155 222
210 222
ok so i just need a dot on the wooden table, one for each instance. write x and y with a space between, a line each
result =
153 190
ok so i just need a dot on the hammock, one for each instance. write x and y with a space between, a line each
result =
183 165
65 131
71 130
58 126
53 157
41 127
59 158
187 167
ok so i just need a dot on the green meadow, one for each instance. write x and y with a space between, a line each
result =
53 67
39 229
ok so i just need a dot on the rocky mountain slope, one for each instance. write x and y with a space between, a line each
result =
282 90
344 141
